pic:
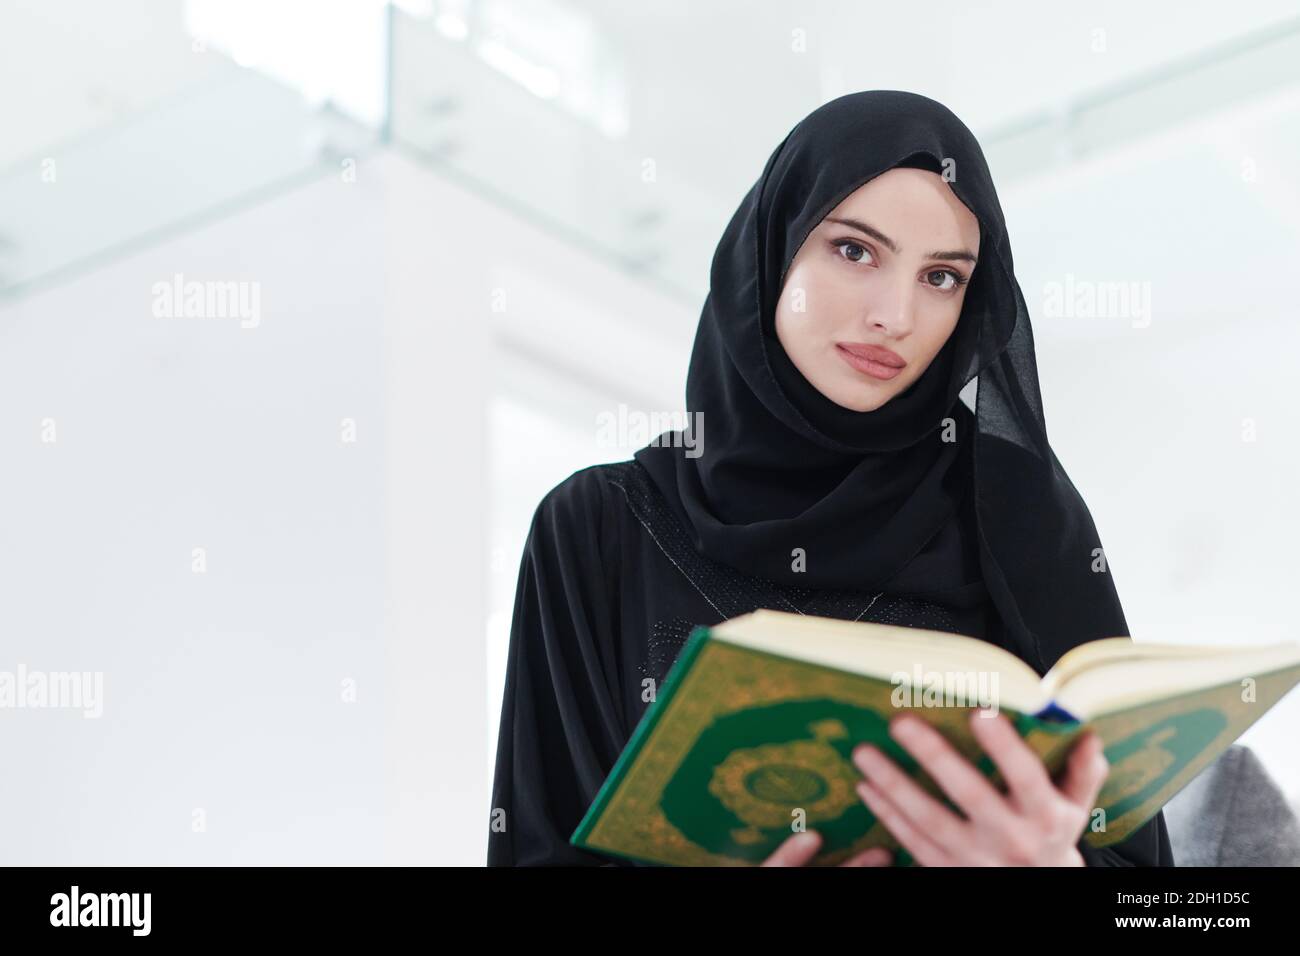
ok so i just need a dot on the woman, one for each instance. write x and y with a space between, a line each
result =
830 468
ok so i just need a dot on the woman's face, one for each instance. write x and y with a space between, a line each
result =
887 269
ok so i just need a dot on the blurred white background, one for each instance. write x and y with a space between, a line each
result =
471 227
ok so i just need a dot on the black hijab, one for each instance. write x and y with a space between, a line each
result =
874 499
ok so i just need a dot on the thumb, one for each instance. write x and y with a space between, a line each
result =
796 850
1087 770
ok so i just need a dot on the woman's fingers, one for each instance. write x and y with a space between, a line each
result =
876 856
800 849
924 850
956 776
1028 783
1086 771
930 831
1051 813
797 850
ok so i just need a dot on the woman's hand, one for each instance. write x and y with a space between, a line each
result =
1033 824
799 850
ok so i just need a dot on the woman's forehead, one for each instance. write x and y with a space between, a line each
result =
905 199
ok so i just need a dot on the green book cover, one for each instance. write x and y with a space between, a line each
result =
741 742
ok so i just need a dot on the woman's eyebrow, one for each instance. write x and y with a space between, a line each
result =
893 247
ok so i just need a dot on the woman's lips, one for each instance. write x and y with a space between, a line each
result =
869 366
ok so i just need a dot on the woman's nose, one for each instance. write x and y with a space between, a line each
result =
892 312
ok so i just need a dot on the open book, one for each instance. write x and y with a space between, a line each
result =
752 732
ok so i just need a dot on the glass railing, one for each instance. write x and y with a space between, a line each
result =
1244 69
527 104
480 110
475 95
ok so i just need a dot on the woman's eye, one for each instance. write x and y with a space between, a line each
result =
947 281
853 251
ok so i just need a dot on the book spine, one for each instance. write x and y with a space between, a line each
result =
1054 713
698 637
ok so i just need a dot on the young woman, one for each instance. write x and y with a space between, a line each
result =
832 469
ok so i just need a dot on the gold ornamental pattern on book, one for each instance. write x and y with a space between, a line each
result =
1156 750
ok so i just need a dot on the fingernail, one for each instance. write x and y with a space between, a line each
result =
866 758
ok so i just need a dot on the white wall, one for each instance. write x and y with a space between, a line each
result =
326 560
222 690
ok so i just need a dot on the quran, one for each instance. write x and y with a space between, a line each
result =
754 726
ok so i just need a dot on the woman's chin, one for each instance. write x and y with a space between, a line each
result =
860 398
